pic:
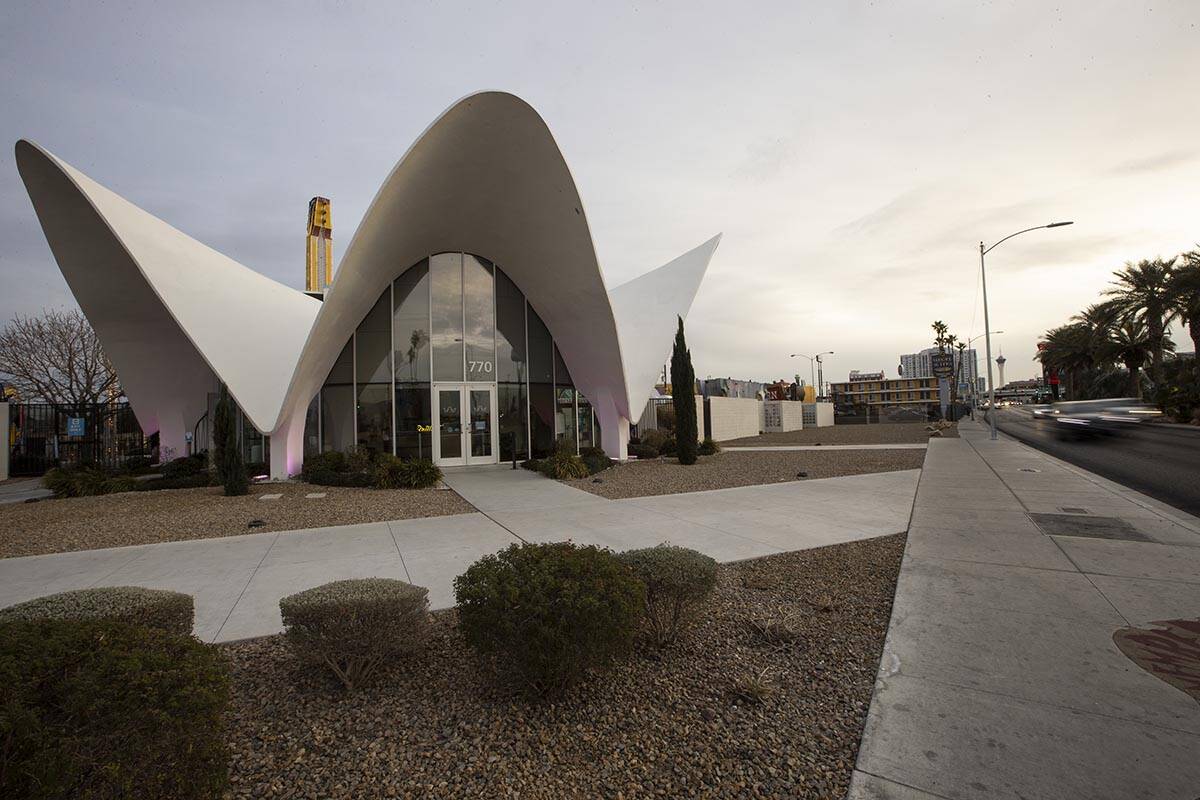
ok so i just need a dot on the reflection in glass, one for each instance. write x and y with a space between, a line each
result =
510 331
337 418
414 436
481 423
479 307
450 423
343 368
541 386
375 417
312 427
411 324
372 343
513 408
447 312
585 423
564 403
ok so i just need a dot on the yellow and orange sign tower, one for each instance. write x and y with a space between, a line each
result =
319 247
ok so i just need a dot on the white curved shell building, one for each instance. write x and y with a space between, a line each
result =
468 321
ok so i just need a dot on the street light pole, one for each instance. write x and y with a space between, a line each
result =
987 326
820 374
975 383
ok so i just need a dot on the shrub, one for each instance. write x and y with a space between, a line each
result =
104 710
137 464
546 615
709 448
534 464
353 627
668 447
184 467
677 581
563 464
352 479
654 438
390 472
186 482
81 481
595 459
153 608
643 451
683 396
328 461
121 483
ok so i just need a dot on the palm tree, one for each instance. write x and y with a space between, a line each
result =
1068 349
1185 295
1099 319
1143 291
939 335
1130 343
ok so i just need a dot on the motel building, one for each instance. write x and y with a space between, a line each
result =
469 321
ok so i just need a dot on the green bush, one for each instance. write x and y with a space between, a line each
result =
390 472
104 710
668 447
683 398
328 461
533 464
353 627
563 465
153 608
709 448
80 481
121 483
595 459
361 480
546 615
137 464
185 482
654 438
677 582
643 451
184 467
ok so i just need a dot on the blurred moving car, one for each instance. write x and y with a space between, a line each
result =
1087 417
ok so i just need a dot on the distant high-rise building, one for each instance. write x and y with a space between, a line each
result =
920 365
318 249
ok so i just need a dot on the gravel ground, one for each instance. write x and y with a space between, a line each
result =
892 433
661 725
725 470
169 515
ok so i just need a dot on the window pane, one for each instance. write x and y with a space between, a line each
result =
375 417
541 386
414 436
337 418
481 422
372 343
450 422
511 358
447 307
514 416
585 423
564 416
479 303
312 441
411 324
343 368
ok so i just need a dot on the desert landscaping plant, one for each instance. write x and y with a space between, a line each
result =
709 448
683 394
547 615
678 581
390 472
595 459
563 464
105 710
81 481
354 627
134 605
642 451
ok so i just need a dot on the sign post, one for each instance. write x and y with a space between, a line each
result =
943 369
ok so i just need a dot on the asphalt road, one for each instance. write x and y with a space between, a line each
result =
1162 462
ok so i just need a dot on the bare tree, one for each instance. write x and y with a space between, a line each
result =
56 358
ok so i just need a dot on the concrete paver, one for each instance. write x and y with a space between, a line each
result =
237 581
1000 678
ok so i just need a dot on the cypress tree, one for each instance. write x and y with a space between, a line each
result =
231 471
683 397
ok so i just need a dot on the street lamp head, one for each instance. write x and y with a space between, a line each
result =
1060 224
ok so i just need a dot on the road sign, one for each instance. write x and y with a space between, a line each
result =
75 426
943 365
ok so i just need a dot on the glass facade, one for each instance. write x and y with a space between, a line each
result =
458 319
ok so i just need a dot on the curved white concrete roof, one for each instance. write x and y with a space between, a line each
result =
170 311
486 177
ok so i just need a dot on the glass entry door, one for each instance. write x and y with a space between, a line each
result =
465 424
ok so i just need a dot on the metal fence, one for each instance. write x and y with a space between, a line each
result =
43 435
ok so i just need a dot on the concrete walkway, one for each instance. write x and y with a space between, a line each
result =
908 446
1000 678
237 581
18 490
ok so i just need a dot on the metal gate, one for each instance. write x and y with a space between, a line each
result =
44 435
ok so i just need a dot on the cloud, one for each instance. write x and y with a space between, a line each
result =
1156 163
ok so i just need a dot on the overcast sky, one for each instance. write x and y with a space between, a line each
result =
853 153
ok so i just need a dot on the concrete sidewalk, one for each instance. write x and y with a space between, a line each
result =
789 447
1000 678
18 490
237 581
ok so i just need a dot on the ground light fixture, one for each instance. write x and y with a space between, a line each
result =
983 251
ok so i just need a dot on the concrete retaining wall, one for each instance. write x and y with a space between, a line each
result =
818 415
733 417
782 415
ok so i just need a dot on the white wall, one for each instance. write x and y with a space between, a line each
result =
818 415
4 448
733 417
783 415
